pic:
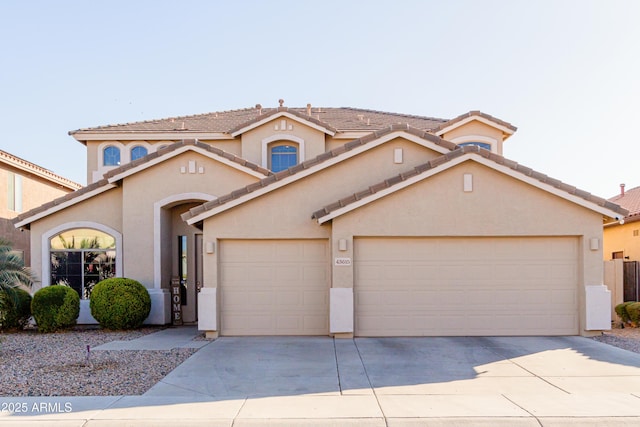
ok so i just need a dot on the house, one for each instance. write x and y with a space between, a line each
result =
329 221
622 238
25 186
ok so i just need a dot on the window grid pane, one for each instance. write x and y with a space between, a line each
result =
137 152
283 157
111 156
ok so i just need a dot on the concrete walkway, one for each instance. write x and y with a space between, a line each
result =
166 339
518 381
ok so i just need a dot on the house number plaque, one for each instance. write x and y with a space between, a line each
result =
176 303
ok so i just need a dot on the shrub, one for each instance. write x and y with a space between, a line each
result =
18 311
633 311
55 307
120 303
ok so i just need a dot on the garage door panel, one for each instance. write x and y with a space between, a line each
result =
465 286
274 287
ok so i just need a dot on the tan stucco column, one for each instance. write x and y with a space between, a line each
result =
341 294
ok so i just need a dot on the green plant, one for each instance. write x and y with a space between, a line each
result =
633 310
18 311
13 275
55 307
120 303
621 311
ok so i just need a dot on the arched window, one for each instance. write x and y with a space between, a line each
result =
479 144
111 156
283 157
137 152
82 257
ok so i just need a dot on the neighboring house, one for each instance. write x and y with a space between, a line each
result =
24 187
329 221
622 238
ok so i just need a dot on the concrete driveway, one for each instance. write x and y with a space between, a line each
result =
515 381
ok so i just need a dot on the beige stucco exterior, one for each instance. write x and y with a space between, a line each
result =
35 187
250 246
623 238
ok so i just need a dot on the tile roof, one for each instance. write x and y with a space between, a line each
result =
265 182
138 162
395 180
19 163
477 114
630 201
61 200
338 119
186 143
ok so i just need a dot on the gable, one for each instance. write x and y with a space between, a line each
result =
496 205
114 178
463 154
359 169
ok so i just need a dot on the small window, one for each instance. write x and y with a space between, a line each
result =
111 156
479 144
14 192
617 255
283 157
137 152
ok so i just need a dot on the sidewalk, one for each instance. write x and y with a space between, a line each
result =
281 381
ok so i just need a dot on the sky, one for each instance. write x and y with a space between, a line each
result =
565 72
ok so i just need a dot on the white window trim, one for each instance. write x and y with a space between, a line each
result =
477 138
281 137
157 227
46 255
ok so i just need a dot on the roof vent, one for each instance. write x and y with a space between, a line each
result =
308 109
622 189
281 102
259 108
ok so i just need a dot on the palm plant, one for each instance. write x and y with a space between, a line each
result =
13 274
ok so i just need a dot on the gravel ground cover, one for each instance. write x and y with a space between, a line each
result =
35 364
626 338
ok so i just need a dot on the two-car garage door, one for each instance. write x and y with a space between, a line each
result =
466 286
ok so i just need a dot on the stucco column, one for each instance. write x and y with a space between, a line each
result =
341 294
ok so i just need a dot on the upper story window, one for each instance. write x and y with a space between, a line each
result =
283 157
111 156
137 152
484 145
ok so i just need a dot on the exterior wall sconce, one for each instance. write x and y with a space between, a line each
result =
210 247
342 245
594 244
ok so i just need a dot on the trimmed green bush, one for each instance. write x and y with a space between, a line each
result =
18 311
633 311
621 311
120 303
55 307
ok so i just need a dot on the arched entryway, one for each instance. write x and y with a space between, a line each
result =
179 252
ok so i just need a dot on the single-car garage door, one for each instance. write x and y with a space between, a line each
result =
466 286
274 287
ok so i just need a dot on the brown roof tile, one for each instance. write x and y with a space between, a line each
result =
390 182
475 113
128 166
335 119
58 201
313 162
630 200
